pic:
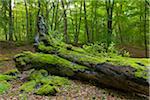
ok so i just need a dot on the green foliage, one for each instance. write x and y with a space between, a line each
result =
125 53
101 50
4 86
127 22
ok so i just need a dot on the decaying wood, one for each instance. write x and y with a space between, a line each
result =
119 77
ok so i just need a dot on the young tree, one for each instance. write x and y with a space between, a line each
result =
86 23
145 29
65 22
109 8
78 24
10 21
27 18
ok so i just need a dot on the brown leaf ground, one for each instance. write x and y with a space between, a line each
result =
77 91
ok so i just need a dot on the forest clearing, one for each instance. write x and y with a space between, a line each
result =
74 50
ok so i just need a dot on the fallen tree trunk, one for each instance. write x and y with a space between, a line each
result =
116 76
140 66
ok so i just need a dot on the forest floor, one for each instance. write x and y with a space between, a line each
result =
136 52
77 91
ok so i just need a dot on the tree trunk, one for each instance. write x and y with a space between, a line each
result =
115 76
76 37
53 15
65 22
27 18
119 14
145 29
10 21
109 8
76 27
86 23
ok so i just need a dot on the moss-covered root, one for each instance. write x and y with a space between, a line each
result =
43 84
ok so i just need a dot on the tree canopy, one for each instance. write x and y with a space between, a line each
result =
123 22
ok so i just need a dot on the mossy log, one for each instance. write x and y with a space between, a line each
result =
79 56
109 74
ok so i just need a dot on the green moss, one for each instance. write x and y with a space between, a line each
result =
46 90
68 67
81 57
38 75
12 72
6 77
51 85
22 60
140 64
4 86
43 84
55 81
39 59
28 86
41 47
75 53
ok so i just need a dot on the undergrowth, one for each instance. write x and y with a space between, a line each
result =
101 50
